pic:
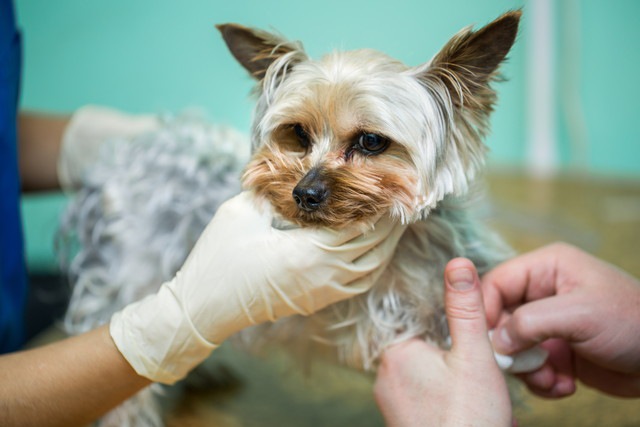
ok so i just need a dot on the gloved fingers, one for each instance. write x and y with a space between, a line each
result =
323 237
356 243
382 231
345 239
382 248
365 282
312 295
360 275
367 261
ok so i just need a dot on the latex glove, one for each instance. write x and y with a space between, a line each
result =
88 129
242 272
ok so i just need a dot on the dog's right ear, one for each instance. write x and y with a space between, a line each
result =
256 50
469 62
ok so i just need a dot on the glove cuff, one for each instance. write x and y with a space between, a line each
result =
89 127
157 338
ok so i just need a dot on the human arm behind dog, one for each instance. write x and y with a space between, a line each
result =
40 136
57 149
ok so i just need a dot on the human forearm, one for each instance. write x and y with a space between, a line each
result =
40 136
70 382
56 150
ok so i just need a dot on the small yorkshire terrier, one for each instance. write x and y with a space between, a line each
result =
356 135
339 141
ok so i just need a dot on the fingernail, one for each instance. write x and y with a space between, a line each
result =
461 279
564 387
504 340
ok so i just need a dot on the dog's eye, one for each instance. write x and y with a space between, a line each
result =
302 135
371 143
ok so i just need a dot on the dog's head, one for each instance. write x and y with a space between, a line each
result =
357 134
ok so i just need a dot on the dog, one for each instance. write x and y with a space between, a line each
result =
355 135
338 141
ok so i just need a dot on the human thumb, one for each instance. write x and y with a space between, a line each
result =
465 309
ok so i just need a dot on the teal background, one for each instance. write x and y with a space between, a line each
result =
161 55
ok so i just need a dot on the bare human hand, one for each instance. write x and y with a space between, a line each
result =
419 384
584 311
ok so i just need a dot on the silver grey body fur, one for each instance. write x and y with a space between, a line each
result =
145 203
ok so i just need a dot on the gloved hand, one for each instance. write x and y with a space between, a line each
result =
88 129
243 272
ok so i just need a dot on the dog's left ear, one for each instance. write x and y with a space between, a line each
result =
470 60
257 50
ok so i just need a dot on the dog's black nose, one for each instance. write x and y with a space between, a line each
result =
310 198
311 192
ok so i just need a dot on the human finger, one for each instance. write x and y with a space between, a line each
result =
556 377
525 278
558 317
465 310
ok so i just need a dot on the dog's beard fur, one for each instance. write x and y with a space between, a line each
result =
360 192
310 116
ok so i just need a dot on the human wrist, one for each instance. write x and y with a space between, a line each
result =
157 337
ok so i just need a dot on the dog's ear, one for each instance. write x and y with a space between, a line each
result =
460 76
470 60
256 50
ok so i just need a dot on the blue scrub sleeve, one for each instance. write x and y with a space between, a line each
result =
13 277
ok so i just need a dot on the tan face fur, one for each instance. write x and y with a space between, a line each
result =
333 109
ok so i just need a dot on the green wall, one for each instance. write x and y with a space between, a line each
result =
610 92
160 55
150 55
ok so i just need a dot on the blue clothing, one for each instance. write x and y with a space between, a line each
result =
13 277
